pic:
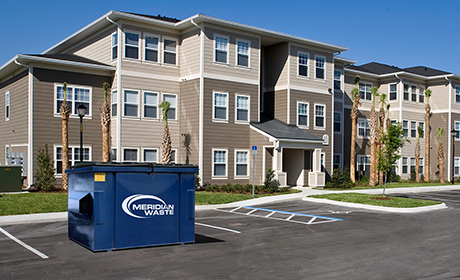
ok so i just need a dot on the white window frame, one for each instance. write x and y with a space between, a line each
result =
422 124
226 50
7 106
324 117
144 92
129 45
214 119
366 91
367 161
114 45
406 165
248 109
390 92
129 148
239 53
366 128
164 51
172 106
214 163
144 57
340 122
175 152
150 149
131 103
412 162
405 128
456 166
339 79
73 107
302 64
72 160
413 93
247 164
406 92
421 94
413 130
323 67
335 163
114 103
307 115
457 128
113 155
421 166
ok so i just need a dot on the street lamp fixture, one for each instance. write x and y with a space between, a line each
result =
454 134
81 110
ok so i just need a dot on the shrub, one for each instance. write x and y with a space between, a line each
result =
198 186
270 184
340 180
362 180
44 177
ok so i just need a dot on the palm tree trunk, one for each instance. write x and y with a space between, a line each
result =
65 111
105 122
353 146
441 162
427 143
373 132
166 146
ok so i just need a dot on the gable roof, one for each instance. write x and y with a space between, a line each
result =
376 68
426 71
69 57
284 131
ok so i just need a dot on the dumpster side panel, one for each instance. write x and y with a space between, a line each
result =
146 209
104 216
10 179
187 210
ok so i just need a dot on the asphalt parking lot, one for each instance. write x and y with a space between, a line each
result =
354 244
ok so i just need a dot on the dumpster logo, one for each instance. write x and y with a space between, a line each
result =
144 206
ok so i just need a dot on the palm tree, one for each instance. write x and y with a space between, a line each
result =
65 112
417 154
354 114
166 142
440 155
374 136
105 122
427 138
383 98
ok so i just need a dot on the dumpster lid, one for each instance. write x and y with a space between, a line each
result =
141 167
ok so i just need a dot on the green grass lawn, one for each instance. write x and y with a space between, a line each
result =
396 185
209 198
399 202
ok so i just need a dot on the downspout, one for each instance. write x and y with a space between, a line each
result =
30 146
399 94
201 112
119 93
449 126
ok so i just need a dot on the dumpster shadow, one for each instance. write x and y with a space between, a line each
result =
206 239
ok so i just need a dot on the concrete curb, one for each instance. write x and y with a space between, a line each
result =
33 218
377 208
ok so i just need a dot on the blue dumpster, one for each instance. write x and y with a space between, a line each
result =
118 206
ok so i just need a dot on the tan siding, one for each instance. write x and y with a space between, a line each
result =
131 82
97 47
259 140
439 99
280 105
440 120
231 70
275 65
189 120
190 50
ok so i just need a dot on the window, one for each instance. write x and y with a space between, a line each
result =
74 156
114 45
131 105
393 92
320 67
363 128
406 92
337 79
169 51
131 45
457 93
150 155
7 105
113 156
150 105
364 163
365 91
130 155
405 166
319 116
420 166
220 106
76 96
413 129
242 53
456 166
393 122
413 92
457 128
241 163
114 97
173 156
336 161
303 64
337 122
219 163
421 95
151 48
302 114
221 49
242 108
412 165
405 128
422 125
172 99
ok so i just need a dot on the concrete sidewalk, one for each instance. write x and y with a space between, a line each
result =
306 191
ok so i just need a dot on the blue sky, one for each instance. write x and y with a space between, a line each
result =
400 33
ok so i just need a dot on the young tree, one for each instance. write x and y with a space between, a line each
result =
166 142
105 122
44 177
65 112
383 98
428 133
440 155
354 114
374 137
393 141
417 154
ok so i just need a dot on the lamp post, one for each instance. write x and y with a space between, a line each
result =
454 135
81 113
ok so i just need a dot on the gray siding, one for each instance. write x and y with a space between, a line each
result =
275 66
189 121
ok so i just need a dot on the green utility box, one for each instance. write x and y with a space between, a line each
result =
10 178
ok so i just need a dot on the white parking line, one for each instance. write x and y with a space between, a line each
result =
221 228
33 250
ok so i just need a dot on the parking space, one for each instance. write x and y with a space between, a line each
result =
450 198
